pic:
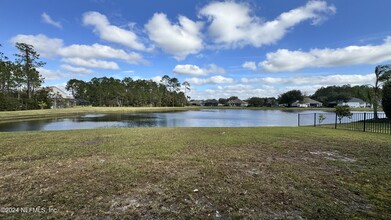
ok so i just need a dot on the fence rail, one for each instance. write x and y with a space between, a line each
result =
365 121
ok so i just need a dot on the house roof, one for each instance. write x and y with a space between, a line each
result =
356 100
307 100
236 101
56 91
198 102
211 101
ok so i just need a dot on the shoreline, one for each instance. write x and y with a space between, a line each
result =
10 116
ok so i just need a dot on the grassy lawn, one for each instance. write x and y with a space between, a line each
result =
202 173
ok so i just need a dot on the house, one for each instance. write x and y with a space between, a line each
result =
211 102
299 104
312 103
197 102
271 102
332 104
237 103
353 103
59 98
307 103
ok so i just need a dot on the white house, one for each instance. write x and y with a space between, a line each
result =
307 103
56 92
354 103
237 103
60 98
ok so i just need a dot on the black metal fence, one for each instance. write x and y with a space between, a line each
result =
364 121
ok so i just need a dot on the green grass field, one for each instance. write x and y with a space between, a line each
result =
201 173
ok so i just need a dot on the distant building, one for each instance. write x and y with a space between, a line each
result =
211 102
237 103
271 102
197 102
354 103
59 98
307 103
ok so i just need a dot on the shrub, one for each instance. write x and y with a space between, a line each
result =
343 111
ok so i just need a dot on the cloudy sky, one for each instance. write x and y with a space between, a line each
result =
222 48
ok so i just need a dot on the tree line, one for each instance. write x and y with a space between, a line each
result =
20 81
106 91
344 93
374 95
330 94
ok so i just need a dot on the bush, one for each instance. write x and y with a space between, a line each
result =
343 111
9 103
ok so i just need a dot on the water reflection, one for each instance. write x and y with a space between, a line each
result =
202 118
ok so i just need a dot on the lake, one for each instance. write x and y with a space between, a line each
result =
200 118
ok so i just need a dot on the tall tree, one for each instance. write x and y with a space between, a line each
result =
232 98
386 100
175 87
256 102
383 74
223 101
76 87
290 97
186 84
5 73
28 58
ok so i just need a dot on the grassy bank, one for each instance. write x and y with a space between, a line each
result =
49 113
205 173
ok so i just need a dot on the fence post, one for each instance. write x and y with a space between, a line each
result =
365 120
298 120
314 119
336 121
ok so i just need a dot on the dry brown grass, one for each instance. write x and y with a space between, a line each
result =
202 173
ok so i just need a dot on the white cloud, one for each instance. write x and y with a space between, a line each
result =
45 46
47 19
211 80
73 69
81 55
194 70
51 75
314 80
189 69
249 65
286 60
233 24
100 51
180 39
240 90
112 33
128 71
156 79
92 63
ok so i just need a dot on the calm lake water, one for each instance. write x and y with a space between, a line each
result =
201 118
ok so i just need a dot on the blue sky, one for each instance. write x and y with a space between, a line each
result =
223 48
